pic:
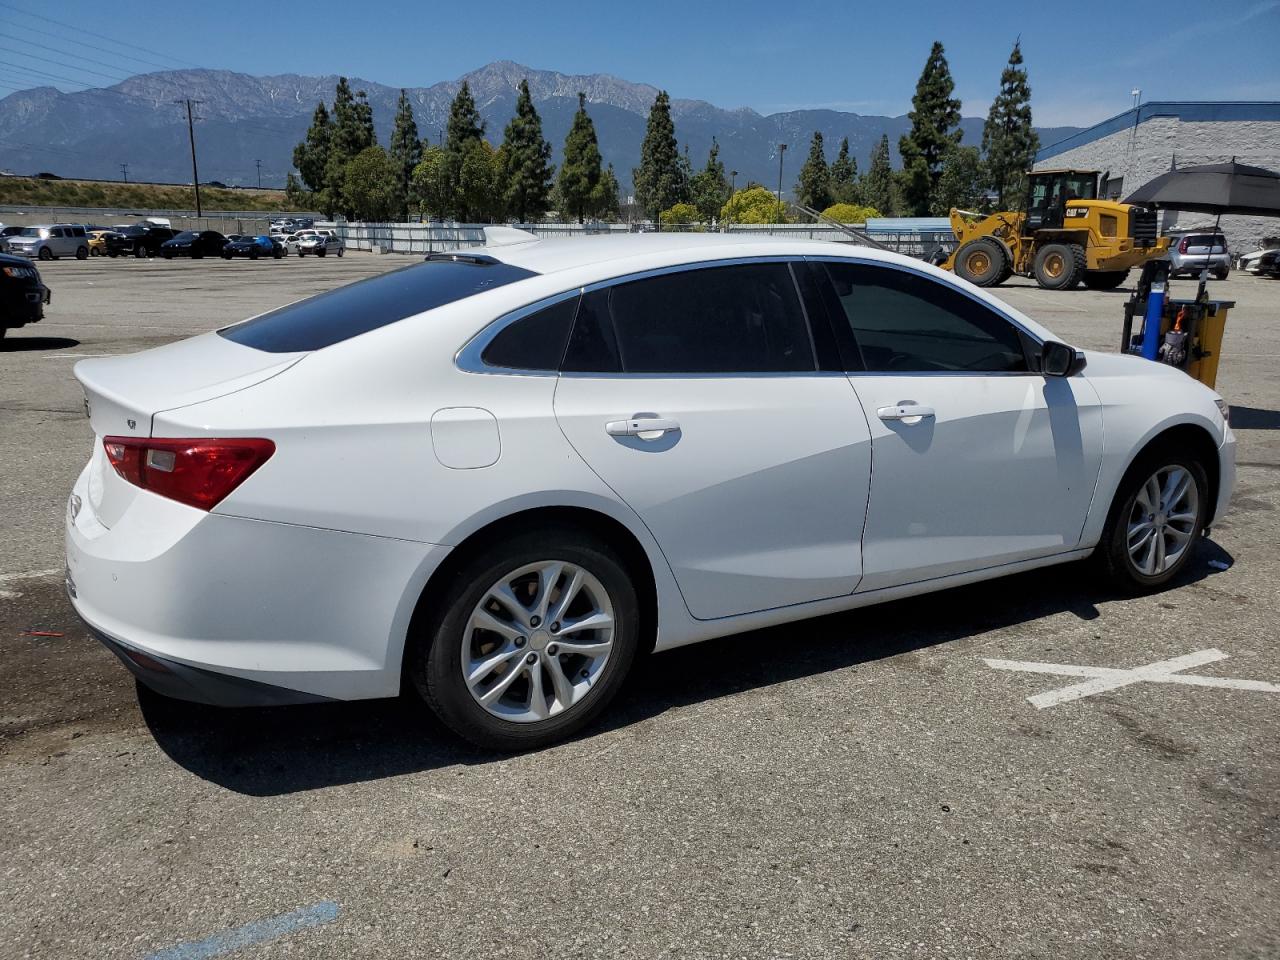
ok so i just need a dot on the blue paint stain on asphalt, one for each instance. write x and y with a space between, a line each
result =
251 933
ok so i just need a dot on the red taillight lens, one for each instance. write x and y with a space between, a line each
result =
1182 247
199 472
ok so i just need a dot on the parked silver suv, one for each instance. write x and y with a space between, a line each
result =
1190 253
48 242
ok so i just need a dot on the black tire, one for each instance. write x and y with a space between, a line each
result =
981 262
95 252
82 253
197 255
1221 274
277 254
1059 266
320 252
253 254
1105 279
113 254
166 254
434 655
226 256
45 253
139 251
1112 554
302 253
340 251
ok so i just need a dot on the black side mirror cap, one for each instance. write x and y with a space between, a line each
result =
1060 360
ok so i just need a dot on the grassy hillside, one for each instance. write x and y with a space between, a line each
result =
28 191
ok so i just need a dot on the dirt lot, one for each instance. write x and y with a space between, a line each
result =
865 785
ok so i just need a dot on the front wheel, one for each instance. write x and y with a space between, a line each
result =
45 253
981 262
531 642
1155 521
139 251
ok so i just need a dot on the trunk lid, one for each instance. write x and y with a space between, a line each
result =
123 395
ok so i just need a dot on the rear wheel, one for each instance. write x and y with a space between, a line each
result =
981 261
1059 266
531 642
82 253
139 251
95 252
1221 274
340 251
1105 279
1155 521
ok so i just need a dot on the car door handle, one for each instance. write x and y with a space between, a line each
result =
641 427
909 412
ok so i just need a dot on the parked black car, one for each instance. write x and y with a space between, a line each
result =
22 293
194 244
253 248
139 240
1269 265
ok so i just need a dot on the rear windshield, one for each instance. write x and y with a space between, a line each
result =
1205 240
368 304
186 235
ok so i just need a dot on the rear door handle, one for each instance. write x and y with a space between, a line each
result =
909 413
646 428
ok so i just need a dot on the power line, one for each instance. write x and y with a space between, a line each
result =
90 46
67 53
34 56
99 36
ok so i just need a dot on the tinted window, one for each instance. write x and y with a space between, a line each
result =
368 304
186 235
734 319
592 347
905 322
534 342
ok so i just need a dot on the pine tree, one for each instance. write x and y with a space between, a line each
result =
844 176
465 124
311 157
406 149
877 186
935 129
657 180
352 132
813 188
709 187
1008 141
605 201
580 169
962 182
526 161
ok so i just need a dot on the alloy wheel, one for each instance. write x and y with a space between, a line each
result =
1163 520
537 642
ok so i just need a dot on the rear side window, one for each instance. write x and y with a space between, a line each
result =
368 304
535 341
904 322
741 318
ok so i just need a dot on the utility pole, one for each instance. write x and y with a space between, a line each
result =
782 149
191 132
259 163
124 169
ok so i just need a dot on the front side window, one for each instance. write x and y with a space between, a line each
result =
739 318
904 322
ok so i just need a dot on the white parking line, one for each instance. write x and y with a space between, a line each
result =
1103 679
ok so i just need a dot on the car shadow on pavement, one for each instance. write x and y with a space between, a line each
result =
282 750
19 344
1254 418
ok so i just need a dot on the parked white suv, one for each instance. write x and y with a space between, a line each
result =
503 474
50 241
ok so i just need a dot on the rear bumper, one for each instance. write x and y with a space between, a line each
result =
220 609
169 678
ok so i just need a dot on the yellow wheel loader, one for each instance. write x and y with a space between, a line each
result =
1063 237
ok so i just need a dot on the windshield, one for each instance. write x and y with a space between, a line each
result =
32 232
368 304
186 235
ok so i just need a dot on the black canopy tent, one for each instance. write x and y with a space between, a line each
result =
1215 188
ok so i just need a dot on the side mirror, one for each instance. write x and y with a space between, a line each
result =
1060 360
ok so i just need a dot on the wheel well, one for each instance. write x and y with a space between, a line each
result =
1188 437
588 521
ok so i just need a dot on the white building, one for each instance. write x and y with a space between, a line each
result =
1142 143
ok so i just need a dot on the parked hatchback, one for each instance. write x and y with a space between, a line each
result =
503 474
48 242
1191 253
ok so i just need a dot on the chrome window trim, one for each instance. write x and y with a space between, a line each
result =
951 286
468 358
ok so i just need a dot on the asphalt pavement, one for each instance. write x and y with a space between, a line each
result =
870 785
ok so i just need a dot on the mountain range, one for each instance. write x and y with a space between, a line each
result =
245 119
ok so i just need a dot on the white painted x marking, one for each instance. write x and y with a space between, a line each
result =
1103 679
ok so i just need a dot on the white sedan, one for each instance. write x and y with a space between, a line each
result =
320 243
500 475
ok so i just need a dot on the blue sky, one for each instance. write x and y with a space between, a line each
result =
1084 57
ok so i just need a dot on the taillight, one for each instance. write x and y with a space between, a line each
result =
198 472
1182 247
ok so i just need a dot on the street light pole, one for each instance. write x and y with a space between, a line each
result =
259 164
782 150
